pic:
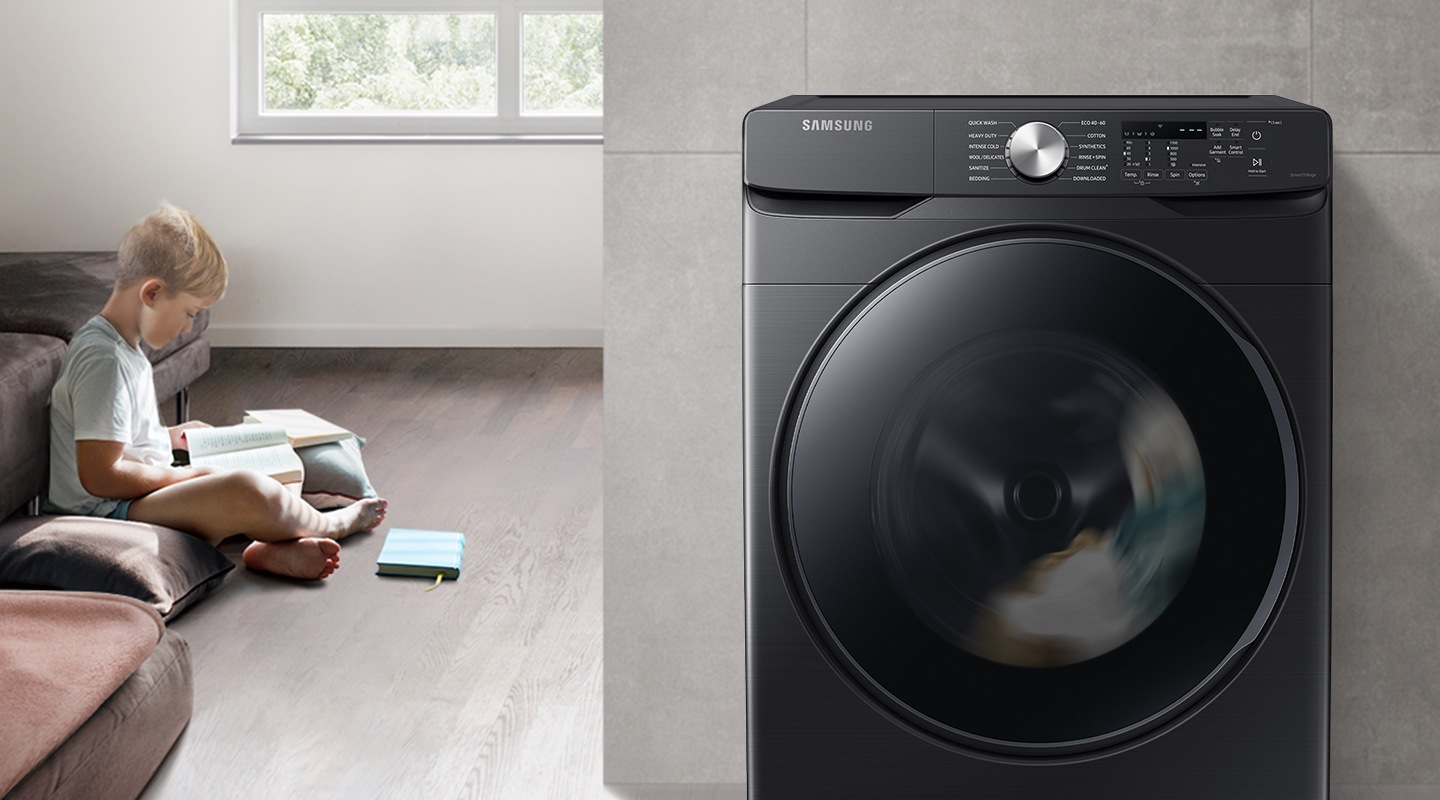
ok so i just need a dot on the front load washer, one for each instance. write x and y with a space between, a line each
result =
1037 447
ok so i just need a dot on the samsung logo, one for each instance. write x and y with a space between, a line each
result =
836 124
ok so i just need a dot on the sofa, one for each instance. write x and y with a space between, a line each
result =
121 724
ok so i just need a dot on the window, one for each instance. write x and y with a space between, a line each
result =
374 70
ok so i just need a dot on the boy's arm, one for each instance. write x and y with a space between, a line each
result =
105 472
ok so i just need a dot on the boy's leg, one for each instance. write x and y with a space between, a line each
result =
292 537
223 504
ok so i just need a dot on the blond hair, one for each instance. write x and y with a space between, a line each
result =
173 246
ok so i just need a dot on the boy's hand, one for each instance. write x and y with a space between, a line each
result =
177 433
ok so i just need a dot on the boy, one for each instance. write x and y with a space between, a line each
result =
109 451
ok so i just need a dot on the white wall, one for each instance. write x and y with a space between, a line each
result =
106 108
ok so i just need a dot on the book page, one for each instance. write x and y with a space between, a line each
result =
277 459
207 441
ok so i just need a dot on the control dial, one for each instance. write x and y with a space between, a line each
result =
1036 151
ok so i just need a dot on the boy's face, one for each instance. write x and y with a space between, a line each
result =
164 317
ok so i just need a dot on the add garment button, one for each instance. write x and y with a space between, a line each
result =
1153 174
1174 174
1195 175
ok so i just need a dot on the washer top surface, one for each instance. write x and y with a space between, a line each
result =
1027 146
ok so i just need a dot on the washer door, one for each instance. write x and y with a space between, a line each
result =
1036 495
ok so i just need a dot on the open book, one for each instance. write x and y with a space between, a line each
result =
263 448
303 428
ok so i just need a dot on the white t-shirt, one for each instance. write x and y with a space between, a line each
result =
106 391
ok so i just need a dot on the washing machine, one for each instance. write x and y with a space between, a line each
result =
1037 447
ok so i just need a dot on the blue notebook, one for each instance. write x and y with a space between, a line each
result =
422 553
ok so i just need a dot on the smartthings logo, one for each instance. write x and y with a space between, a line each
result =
837 124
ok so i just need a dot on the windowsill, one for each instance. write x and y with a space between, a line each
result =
411 138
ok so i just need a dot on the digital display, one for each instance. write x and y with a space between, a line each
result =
1163 130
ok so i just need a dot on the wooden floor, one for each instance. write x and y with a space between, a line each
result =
368 687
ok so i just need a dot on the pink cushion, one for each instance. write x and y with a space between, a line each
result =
61 655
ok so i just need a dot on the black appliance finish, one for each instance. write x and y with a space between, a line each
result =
1037 447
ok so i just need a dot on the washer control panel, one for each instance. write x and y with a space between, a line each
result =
1007 146
1114 154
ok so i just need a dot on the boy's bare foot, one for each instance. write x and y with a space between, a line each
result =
362 515
298 558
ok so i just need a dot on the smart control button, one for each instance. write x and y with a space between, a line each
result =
1036 151
1195 175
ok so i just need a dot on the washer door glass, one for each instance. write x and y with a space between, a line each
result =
1037 495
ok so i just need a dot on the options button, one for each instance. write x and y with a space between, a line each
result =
1195 175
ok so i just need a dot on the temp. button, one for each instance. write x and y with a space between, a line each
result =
1036 151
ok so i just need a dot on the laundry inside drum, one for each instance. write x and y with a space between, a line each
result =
1039 498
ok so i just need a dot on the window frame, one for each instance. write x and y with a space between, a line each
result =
248 125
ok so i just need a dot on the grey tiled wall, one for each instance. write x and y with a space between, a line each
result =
681 77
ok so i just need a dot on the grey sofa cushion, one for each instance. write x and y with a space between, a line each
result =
180 369
29 364
168 569
55 293
48 296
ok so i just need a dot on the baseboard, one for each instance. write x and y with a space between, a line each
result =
377 336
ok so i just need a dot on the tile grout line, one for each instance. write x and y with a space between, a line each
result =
1312 52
